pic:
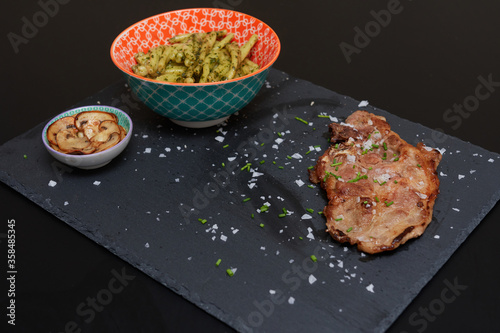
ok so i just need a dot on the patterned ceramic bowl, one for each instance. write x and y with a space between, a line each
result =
196 104
93 160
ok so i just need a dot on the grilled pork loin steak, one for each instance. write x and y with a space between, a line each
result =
381 190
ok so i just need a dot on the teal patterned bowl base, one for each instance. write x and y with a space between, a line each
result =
198 105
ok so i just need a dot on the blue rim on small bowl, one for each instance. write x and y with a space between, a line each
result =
94 160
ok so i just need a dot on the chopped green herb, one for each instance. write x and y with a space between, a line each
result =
218 262
302 120
246 166
282 215
262 225
279 134
336 146
395 182
289 157
323 116
307 152
313 258
203 221
349 230
262 162
25 156
229 272
334 175
264 208
253 215
375 146
419 165
377 199
358 177
311 167
365 202
225 146
223 164
310 210
281 167
247 199
388 203
335 163
339 219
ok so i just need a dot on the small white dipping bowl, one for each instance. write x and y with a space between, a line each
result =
94 160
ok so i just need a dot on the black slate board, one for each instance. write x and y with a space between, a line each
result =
145 205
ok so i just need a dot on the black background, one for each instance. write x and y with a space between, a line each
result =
427 58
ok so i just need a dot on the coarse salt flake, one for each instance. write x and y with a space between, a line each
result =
491 160
312 279
306 217
52 183
363 104
147 150
436 236
97 183
291 300
219 138
223 238
299 182
460 176
370 288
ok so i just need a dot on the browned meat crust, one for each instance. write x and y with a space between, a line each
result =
381 190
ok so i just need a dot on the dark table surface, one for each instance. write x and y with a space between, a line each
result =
431 63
